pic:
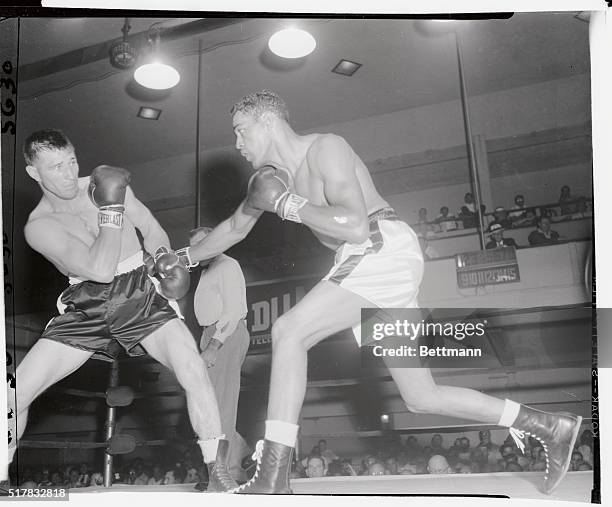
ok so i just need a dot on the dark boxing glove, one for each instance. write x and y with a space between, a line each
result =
269 191
107 186
175 278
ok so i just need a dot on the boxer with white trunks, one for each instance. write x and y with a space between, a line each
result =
318 180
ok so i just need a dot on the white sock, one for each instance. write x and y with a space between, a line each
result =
282 432
510 413
209 448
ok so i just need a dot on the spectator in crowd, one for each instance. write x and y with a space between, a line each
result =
391 466
436 445
84 478
376 468
500 216
142 477
587 455
438 464
543 235
192 476
445 220
583 467
326 453
73 478
316 467
576 460
56 480
157 477
347 468
467 212
169 477
518 208
45 480
497 239
582 209
424 228
97 479
566 201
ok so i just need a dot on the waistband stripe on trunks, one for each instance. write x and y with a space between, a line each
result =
125 266
348 266
383 214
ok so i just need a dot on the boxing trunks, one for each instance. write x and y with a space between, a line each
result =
95 315
386 269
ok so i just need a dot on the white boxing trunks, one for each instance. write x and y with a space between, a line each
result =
386 269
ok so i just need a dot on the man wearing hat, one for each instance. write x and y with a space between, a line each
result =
496 233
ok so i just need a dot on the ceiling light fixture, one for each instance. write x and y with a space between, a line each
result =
153 72
122 54
292 43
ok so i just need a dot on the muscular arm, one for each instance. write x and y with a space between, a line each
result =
152 233
346 216
226 234
71 255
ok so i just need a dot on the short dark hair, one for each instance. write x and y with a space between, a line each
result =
257 103
44 140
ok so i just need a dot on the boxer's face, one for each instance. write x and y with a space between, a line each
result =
57 171
252 138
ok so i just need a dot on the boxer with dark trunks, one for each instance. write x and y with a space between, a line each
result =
86 227
318 180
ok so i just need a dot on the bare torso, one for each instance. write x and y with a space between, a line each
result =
81 222
310 185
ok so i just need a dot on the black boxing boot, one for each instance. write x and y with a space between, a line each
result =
271 475
557 433
219 478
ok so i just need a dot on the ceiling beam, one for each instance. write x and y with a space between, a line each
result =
96 52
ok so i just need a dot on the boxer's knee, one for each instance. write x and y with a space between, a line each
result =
288 335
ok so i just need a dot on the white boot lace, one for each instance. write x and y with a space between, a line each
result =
257 457
518 436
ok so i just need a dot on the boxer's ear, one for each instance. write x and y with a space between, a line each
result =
33 172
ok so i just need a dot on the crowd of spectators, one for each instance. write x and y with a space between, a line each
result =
137 471
395 458
462 457
501 220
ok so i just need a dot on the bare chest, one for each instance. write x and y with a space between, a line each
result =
309 185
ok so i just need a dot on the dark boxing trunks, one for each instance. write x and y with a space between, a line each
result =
126 310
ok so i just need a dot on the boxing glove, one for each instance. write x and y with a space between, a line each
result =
107 186
175 278
269 191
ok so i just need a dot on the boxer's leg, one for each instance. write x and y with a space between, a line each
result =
325 310
174 347
422 395
46 363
